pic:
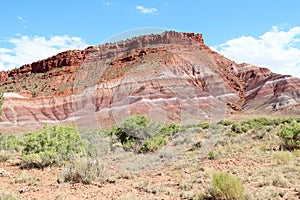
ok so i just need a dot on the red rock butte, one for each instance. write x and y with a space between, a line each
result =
170 76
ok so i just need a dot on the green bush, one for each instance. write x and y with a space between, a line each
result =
291 135
81 170
263 121
132 128
169 130
137 134
253 124
204 125
10 143
277 121
240 127
225 123
52 145
226 187
232 134
153 144
1 102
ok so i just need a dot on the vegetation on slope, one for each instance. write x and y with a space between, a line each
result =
54 82
137 134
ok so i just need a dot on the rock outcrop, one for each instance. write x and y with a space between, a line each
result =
170 76
67 58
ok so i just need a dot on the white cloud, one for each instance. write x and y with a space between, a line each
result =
146 10
4 50
21 19
276 49
30 49
109 3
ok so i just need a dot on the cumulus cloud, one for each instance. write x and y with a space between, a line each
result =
27 49
146 10
276 49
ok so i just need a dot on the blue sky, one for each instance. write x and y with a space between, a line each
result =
264 32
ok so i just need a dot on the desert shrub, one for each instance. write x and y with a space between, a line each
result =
92 139
1 102
138 134
131 128
253 124
226 187
204 125
153 143
291 135
9 196
240 127
4 155
277 121
52 145
169 130
24 177
287 120
81 170
225 123
232 134
263 121
259 134
11 143
159 139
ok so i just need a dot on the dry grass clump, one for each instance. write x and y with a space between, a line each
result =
226 187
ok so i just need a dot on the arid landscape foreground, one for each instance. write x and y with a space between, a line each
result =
252 151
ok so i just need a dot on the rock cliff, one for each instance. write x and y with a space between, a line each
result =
170 76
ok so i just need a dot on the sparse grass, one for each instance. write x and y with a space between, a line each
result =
211 155
253 158
82 170
5 155
226 187
25 177
283 157
9 196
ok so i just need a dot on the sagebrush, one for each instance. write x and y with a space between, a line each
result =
52 145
